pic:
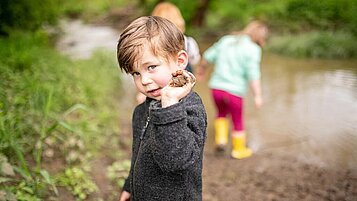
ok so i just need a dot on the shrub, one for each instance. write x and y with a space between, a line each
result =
27 14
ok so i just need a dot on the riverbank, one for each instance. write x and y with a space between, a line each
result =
274 175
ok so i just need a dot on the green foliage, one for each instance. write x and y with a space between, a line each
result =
25 95
187 8
27 14
29 189
118 172
25 192
31 15
85 9
327 14
51 106
78 182
315 45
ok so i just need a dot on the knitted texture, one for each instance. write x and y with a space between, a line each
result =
167 151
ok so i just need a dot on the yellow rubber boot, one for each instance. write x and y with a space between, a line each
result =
240 150
221 133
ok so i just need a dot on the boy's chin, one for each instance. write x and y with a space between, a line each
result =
158 98
154 97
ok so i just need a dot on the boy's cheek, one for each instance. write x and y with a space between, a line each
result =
166 82
139 87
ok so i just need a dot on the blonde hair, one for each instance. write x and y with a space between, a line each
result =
159 34
171 12
258 32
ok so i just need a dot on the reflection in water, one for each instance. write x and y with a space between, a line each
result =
310 109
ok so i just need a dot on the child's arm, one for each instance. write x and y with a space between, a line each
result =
257 92
253 60
180 132
201 69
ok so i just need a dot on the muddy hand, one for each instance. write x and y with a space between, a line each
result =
181 78
174 92
192 78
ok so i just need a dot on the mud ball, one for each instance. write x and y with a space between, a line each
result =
178 79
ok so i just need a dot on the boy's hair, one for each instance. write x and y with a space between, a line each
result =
159 34
169 11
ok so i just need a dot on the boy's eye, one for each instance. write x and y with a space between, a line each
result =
152 67
134 74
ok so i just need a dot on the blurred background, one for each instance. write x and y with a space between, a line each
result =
65 108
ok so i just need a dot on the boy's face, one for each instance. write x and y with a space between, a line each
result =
154 73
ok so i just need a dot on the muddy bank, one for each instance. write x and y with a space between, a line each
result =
274 176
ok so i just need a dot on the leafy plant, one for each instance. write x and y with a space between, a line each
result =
78 182
118 171
50 109
27 14
315 45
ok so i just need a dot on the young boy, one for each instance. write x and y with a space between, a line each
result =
169 128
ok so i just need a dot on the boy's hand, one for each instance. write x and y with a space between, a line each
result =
178 79
125 196
173 92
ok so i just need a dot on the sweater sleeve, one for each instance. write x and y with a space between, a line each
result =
126 186
252 63
180 132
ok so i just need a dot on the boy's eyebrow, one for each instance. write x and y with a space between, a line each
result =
137 65
151 62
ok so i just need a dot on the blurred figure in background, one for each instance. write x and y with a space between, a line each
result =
171 12
236 58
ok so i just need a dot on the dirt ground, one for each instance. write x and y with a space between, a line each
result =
274 176
268 176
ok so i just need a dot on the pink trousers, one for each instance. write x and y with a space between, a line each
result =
229 104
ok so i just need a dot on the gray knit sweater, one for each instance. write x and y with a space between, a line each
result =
167 151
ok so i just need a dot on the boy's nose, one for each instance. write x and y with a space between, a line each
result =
145 80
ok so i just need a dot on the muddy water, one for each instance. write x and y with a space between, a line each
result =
310 110
79 40
310 106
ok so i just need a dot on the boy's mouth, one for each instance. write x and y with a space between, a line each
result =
154 92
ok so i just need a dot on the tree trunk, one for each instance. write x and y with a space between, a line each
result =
200 14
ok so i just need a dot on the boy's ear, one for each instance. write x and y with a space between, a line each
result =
182 59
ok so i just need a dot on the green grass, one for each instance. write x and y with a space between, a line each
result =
51 103
87 10
338 45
